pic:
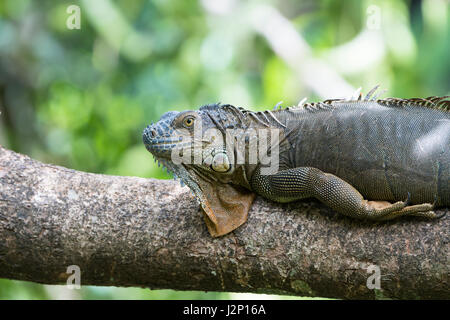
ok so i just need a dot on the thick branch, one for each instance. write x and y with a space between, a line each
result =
125 231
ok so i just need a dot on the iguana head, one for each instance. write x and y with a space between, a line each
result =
191 145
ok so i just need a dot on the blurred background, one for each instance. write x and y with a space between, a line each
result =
78 93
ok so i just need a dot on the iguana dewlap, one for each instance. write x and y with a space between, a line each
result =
365 158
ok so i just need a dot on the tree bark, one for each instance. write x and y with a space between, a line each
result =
127 231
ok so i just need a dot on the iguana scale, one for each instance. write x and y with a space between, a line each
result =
367 158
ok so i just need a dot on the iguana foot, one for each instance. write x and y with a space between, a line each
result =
379 209
424 210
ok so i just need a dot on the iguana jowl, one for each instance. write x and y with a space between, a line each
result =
368 158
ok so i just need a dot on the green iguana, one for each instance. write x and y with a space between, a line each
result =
367 158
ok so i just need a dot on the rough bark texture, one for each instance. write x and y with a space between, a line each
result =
125 231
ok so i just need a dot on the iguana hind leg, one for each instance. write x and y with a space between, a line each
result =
298 183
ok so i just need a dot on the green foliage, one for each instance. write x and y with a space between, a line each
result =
81 98
20 290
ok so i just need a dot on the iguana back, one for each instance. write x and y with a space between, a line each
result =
383 151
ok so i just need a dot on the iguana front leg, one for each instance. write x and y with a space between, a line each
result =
304 182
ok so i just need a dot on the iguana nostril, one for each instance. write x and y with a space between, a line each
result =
152 133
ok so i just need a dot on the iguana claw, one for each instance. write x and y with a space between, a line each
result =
408 199
440 216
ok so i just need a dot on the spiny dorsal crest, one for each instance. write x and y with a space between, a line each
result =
439 103
244 116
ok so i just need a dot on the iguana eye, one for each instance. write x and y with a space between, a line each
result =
188 121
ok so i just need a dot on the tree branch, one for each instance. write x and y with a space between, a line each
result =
125 231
